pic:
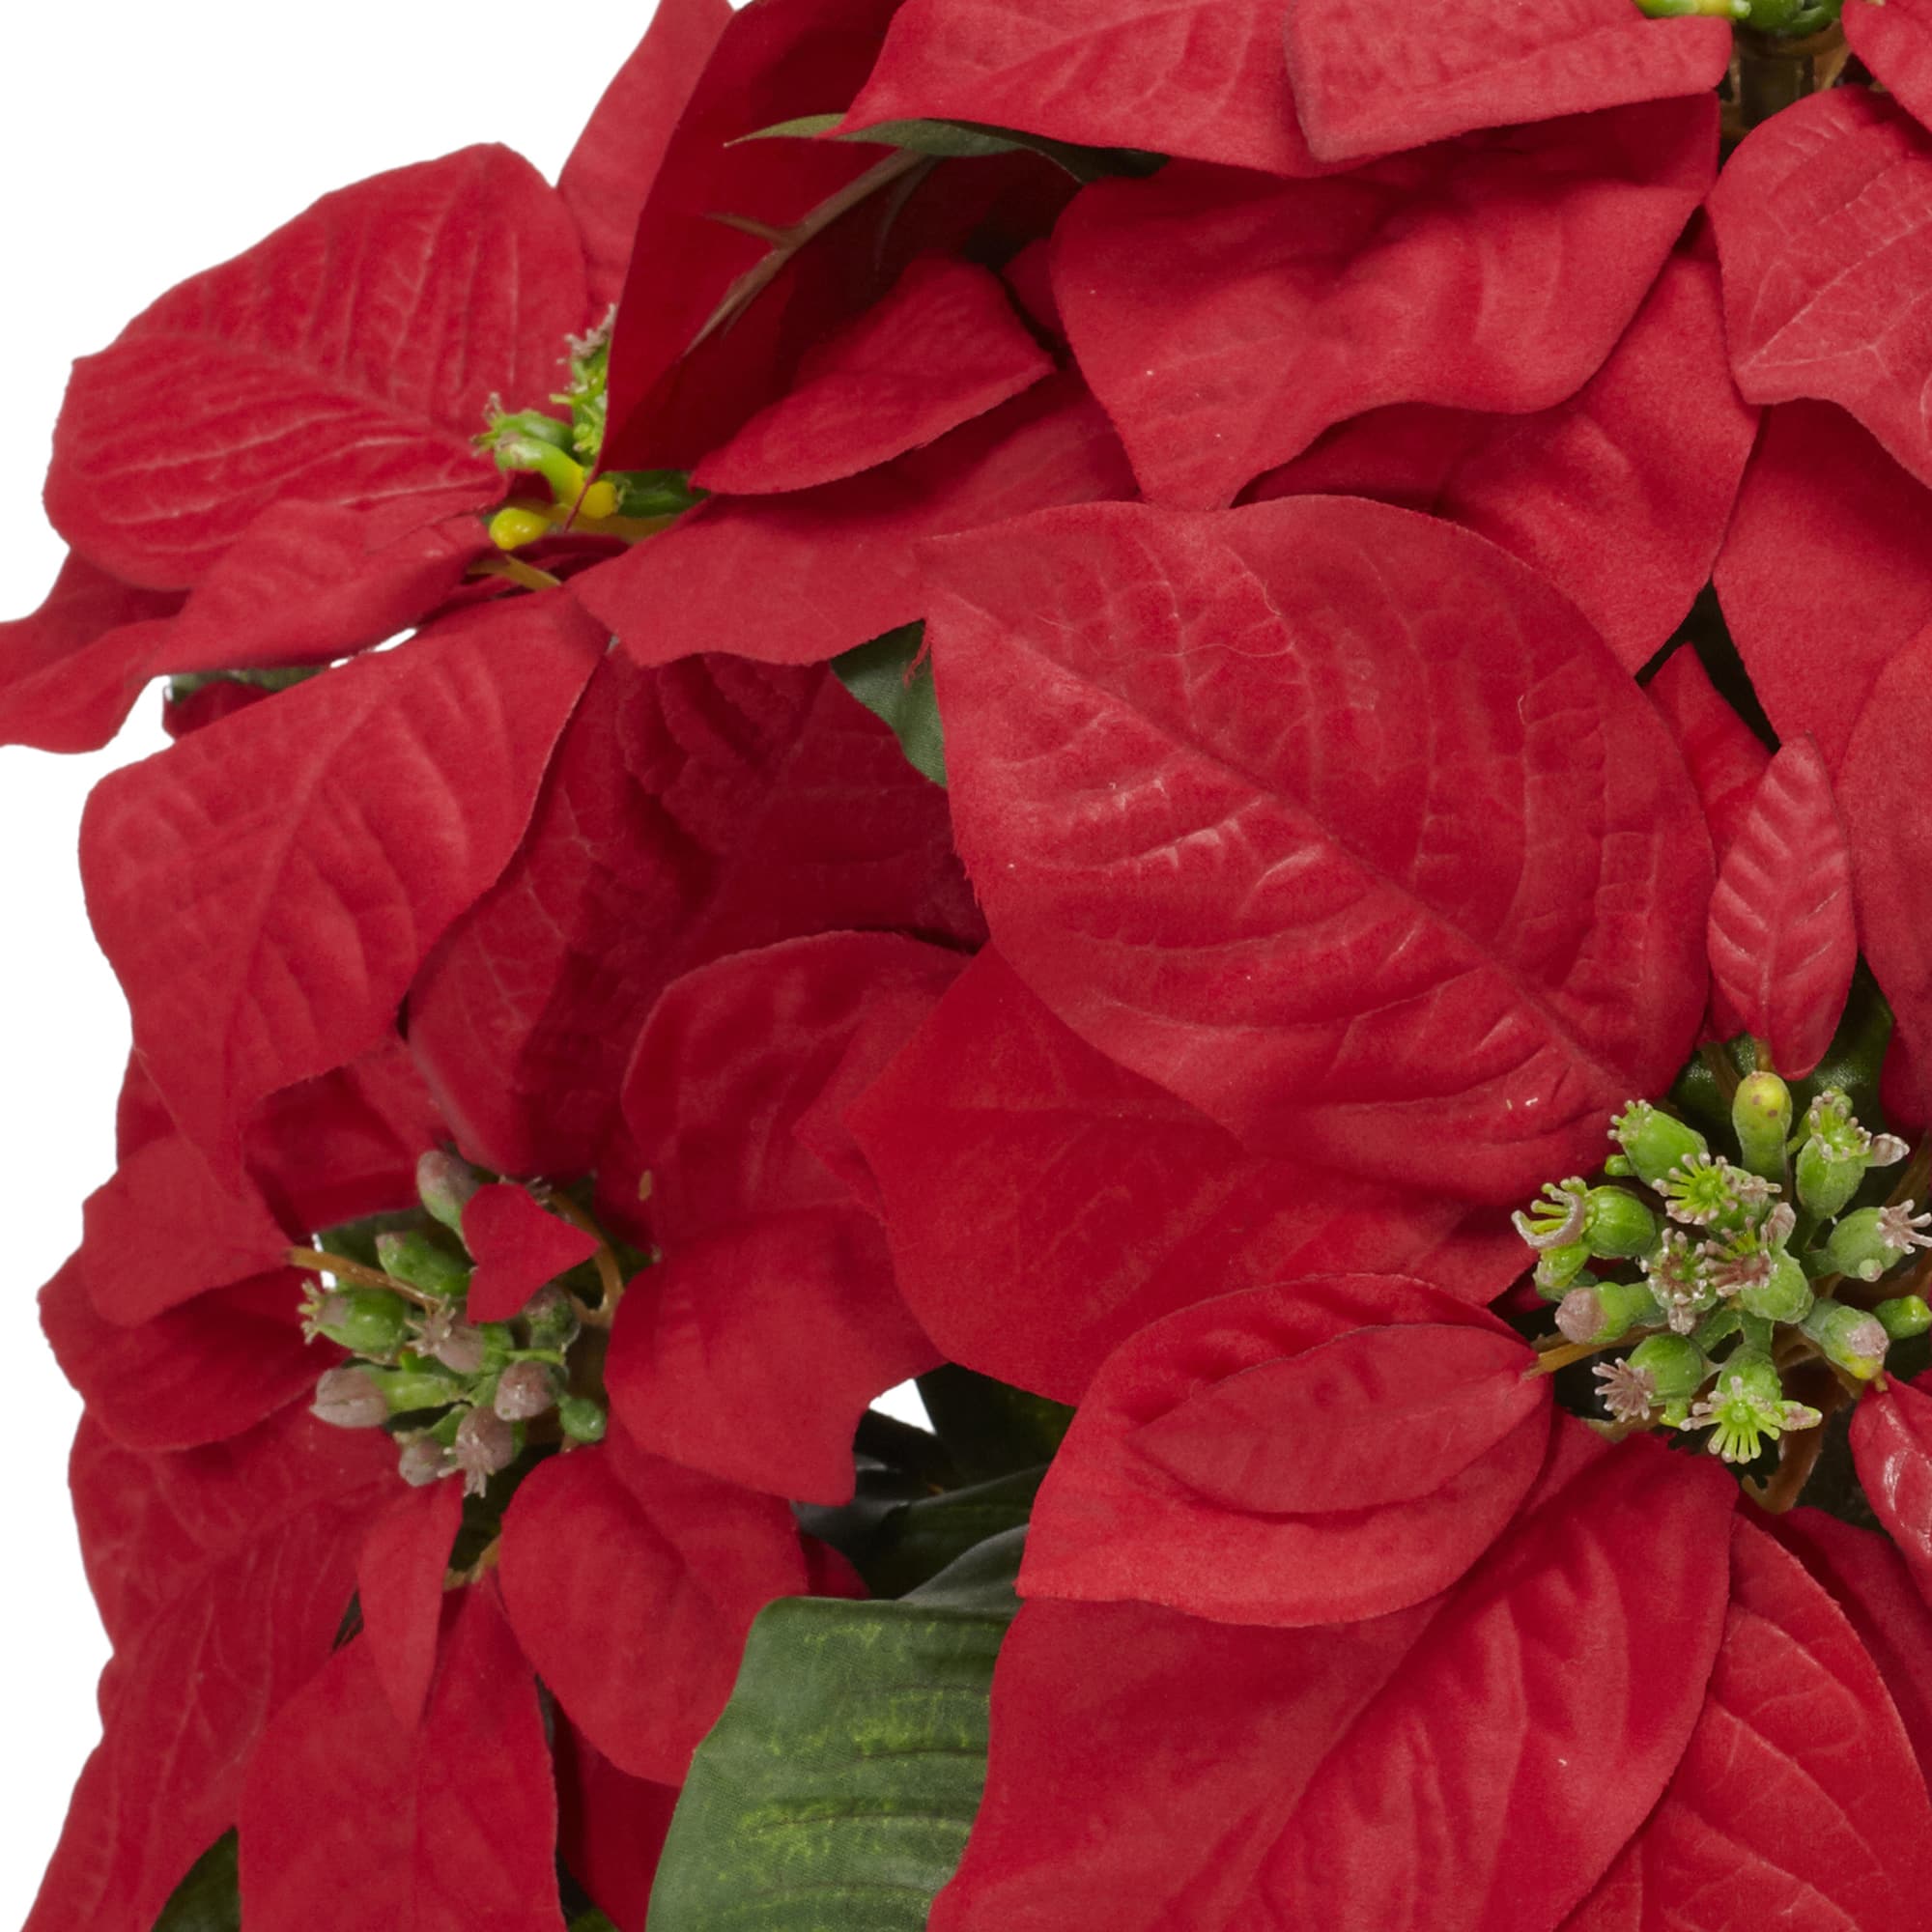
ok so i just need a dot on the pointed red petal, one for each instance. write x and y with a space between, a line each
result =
1827 570
1471 1765
307 582
1043 1203
1725 757
1893 38
214 1367
274 884
612 1557
1643 460
1367 83
845 552
222 1575
694 811
163 1228
1200 78
1820 217
1782 938
399 1580
617 158
345 360
1277 828
1882 797
754 1347
350 1821
610 1827
1870 1584
1798 1797
943 346
71 672
1262 1459
1226 320
1891 1441
770 65
346 1143
518 1247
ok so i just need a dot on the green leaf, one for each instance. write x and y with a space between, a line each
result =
968 140
886 677
990 1428
837 1791
899 1543
208 1899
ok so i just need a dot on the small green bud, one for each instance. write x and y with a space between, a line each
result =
445 1185
1867 1243
1618 1167
1677 9
364 1320
581 1418
1848 1338
1655 1141
412 1257
1557 1269
1618 1226
409 1389
550 1317
1903 1317
1605 1311
1675 1364
1785 1297
1826 1183
1761 1116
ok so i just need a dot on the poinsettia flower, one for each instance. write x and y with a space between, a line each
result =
291 442
1725 756
1295 810
772 1318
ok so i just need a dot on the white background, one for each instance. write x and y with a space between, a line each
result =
139 144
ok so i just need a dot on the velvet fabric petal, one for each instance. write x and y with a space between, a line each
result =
1225 320
1331 819
1043 1203
275 883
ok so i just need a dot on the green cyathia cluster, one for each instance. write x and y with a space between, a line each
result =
458 1397
1710 1265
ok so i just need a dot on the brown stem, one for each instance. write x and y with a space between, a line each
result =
1550 1360
486 1561
608 1274
319 1260
785 243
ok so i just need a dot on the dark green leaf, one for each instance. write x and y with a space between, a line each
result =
897 1543
208 1899
883 677
968 140
837 1791
990 1428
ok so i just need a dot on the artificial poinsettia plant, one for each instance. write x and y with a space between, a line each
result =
1205 722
